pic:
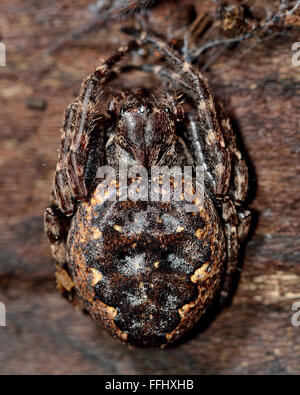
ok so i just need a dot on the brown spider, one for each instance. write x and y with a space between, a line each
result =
147 270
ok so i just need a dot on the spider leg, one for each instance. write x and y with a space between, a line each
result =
69 183
86 126
96 80
158 70
230 218
53 224
237 219
56 227
85 121
61 188
237 222
238 187
82 124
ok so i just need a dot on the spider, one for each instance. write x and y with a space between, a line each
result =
147 270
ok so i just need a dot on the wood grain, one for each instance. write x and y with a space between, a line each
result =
44 334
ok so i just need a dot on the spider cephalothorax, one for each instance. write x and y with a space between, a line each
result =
146 128
148 270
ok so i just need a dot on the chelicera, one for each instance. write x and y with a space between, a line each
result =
147 271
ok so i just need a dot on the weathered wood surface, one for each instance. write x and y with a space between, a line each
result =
44 334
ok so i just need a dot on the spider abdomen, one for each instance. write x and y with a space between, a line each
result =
140 267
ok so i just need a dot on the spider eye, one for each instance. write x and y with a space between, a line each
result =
168 111
149 108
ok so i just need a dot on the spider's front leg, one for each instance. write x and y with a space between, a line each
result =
84 129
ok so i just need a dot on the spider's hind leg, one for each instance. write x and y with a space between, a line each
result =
236 218
236 226
56 226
